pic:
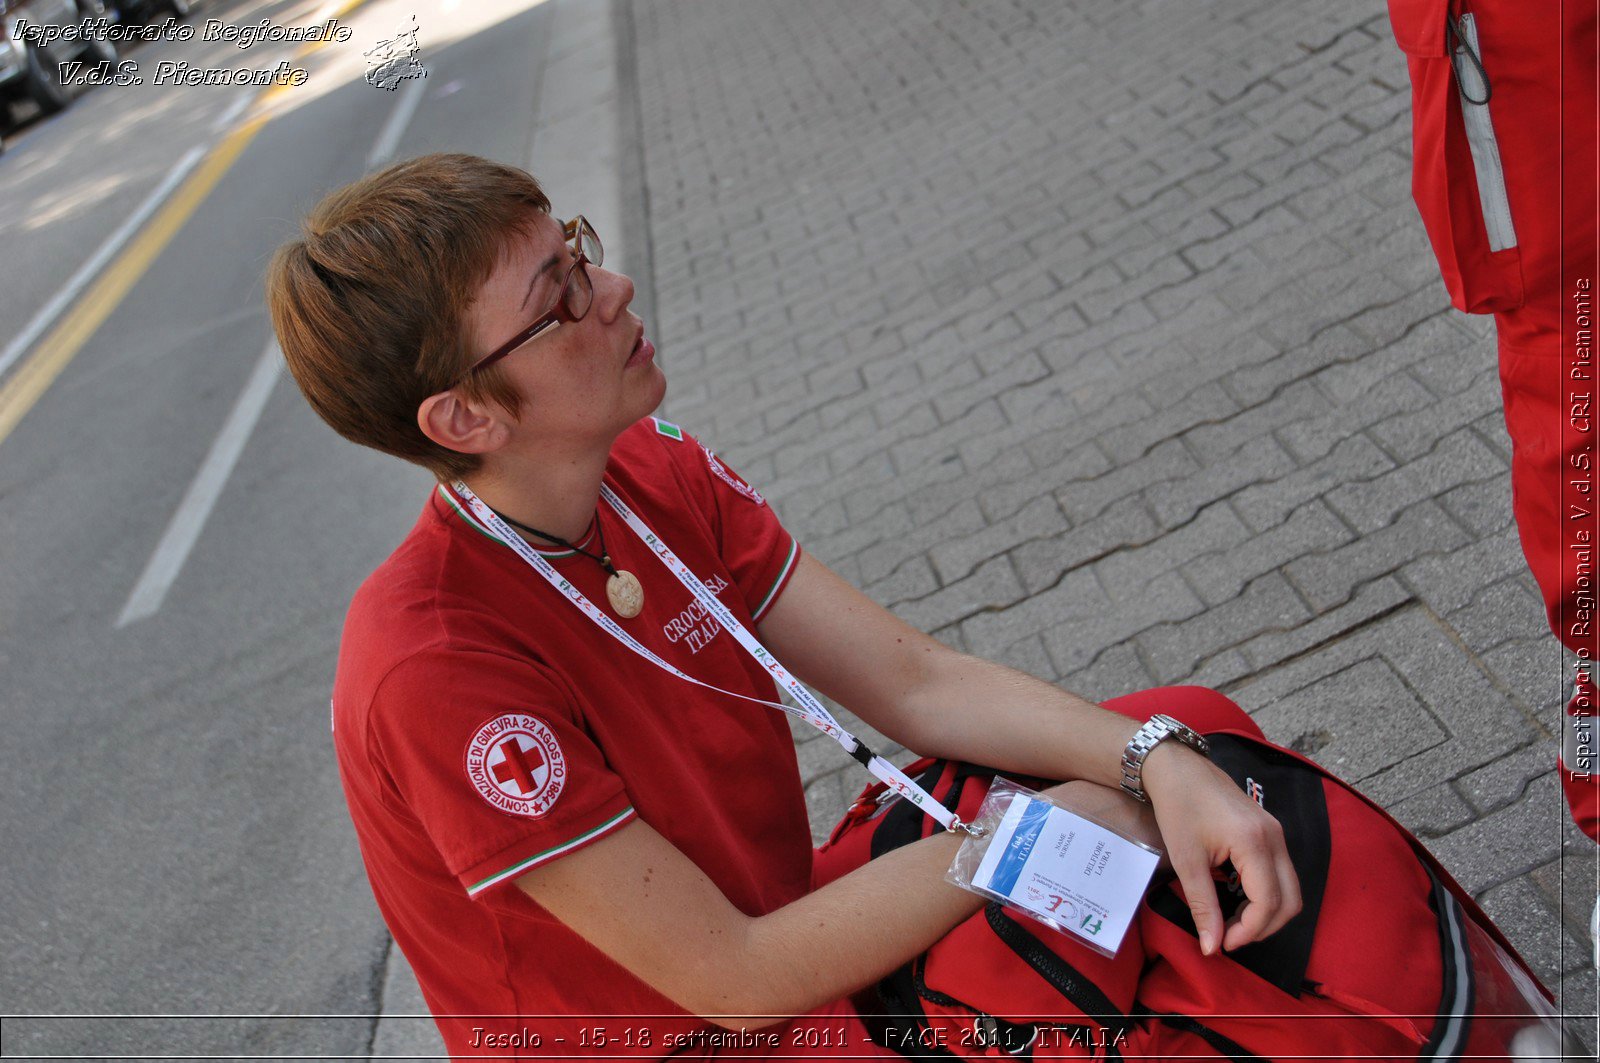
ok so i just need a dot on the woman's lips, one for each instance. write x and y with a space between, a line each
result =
643 351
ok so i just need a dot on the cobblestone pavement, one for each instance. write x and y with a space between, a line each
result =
1103 339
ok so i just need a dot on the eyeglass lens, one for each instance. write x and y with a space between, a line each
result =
579 292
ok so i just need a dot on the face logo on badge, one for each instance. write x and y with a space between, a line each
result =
516 764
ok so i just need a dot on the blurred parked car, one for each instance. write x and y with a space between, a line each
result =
31 72
132 11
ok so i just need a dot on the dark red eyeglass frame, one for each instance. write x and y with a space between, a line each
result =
576 231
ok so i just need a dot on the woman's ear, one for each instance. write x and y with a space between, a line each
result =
459 424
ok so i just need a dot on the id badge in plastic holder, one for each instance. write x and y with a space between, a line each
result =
1062 868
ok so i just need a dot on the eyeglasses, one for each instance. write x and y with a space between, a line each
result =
572 301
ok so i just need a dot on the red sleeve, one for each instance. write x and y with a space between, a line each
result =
753 543
490 755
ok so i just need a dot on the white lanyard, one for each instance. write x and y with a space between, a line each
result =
811 710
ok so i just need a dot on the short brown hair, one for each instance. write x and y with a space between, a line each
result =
370 304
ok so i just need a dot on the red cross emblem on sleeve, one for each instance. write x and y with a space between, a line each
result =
515 764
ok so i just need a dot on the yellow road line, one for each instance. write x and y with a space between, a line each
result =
36 374
34 377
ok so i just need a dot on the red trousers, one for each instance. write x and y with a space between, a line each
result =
1506 177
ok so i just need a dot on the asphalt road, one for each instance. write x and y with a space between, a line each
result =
174 838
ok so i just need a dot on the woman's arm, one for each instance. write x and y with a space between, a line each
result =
637 898
938 702
634 896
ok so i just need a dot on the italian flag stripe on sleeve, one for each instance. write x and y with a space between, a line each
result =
783 574
551 853
668 429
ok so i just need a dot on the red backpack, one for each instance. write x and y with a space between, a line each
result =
1388 958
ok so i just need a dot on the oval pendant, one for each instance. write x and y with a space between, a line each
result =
625 594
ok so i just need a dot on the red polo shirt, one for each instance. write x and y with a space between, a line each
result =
484 726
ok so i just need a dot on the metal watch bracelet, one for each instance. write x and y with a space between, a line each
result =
1157 730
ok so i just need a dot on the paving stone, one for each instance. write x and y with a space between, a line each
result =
1013 482
1531 670
1576 998
1327 578
1296 402
956 558
1263 506
1221 573
1526 916
1410 435
1029 657
1457 459
1369 602
1380 722
1439 681
1496 785
1449 581
1510 609
1570 884
1176 502
1175 651
1166 462
827 798
1215 531
885 555
912 580
1258 377
1482 508
1221 671
992 586
1115 671
1508 842
1433 812
1083 625
1041 563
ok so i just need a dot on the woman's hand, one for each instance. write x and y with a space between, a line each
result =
1206 819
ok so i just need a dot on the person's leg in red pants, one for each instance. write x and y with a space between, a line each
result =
1505 176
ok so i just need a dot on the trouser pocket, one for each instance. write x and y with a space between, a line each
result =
1458 178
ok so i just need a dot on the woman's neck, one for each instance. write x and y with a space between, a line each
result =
559 497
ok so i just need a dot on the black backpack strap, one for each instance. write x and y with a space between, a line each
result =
1062 976
1225 1046
899 1023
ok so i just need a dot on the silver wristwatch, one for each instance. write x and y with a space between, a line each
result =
1147 738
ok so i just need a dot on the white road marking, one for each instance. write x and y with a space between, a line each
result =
184 528
78 281
388 140
183 531
225 121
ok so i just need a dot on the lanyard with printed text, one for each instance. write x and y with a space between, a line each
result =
811 710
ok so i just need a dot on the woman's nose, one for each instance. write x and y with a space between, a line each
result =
614 291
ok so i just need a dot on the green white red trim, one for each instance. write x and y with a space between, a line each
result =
551 853
783 574
488 533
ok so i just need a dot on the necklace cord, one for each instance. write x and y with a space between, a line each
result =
603 558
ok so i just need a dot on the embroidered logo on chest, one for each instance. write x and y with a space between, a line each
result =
516 764
695 626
